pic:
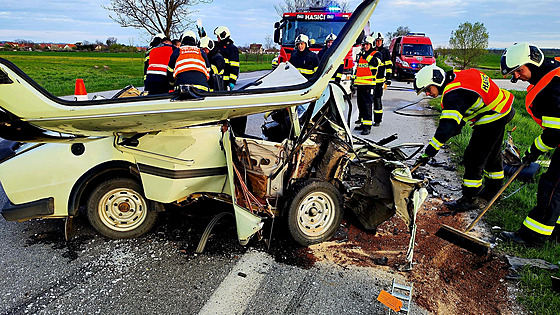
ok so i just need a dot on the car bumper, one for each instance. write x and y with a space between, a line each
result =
29 210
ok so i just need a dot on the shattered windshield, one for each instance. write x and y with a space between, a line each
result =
317 30
417 50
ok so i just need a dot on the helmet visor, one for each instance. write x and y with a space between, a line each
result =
504 67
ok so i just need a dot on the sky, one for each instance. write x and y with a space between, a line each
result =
70 21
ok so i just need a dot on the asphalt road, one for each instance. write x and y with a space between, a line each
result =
159 273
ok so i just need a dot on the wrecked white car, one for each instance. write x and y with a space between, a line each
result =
124 159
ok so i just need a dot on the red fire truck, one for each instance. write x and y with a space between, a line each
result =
315 22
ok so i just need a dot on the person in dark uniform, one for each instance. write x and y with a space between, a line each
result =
469 96
304 59
384 73
217 64
156 41
527 63
231 56
155 80
365 80
189 64
337 77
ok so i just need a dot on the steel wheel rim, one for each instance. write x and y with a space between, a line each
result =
122 209
315 214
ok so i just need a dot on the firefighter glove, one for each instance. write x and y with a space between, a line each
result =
388 82
231 85
530 157
422 160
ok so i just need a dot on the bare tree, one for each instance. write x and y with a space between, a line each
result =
110 41
269 42
170 17
401 31
294 5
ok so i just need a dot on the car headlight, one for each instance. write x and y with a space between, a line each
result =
405 64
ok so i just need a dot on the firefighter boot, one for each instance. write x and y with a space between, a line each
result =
516 238
366 130
463 204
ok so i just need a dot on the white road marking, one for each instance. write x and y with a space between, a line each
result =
235 292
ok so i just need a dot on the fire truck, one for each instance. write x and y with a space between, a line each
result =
315 22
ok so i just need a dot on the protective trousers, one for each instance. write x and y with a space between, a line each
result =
365 96
377 106
483 156
543 220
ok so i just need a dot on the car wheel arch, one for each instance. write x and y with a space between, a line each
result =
90 179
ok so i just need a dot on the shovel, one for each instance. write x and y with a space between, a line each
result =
469 242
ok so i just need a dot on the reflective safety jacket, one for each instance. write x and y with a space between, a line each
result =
385 70
158 59
470 96
231 56
305 61
189 65
217 67
543 104
366 71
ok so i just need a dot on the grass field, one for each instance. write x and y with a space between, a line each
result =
509 213
57 71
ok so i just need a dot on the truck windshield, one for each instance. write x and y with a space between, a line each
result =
417 50
317 30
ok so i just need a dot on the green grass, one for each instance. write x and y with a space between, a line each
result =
489 64
537 295
57 71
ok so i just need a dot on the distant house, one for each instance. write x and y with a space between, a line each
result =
69 47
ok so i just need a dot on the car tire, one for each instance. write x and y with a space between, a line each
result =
314 212
118 209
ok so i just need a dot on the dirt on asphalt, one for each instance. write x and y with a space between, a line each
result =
447 279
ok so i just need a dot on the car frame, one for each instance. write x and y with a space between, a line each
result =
124 159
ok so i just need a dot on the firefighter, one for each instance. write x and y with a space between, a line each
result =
231 56
527 63
469 96
337 77
365 81
156 41
155 80
189 64
217 64
384 74
304 59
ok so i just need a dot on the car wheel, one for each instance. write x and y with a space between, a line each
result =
314 213
118 209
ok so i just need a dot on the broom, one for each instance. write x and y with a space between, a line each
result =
463 239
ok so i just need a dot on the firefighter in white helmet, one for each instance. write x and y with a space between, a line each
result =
384 73
328 43
304 59
365 81
189 64
469 96
527 62
217 64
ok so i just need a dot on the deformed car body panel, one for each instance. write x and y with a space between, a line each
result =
42 111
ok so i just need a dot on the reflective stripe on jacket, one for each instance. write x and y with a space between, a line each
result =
366 70
190 59
543 121
493 103
158 60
